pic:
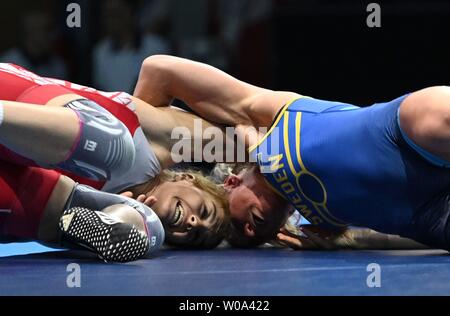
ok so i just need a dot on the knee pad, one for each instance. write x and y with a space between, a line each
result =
104 144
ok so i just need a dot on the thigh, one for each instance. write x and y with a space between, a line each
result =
24 194
431 222
19 84
12 84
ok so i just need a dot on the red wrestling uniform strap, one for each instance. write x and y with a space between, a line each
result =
120 104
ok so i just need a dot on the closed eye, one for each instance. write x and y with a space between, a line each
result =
258 220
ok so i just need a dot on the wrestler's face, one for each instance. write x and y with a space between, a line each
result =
190 216
256 210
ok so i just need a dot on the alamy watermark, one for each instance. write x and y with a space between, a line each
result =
230 145
373 280
74 15
73 279
374 18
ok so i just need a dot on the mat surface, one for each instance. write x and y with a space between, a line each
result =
232 272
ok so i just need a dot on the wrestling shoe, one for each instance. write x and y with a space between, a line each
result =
110 239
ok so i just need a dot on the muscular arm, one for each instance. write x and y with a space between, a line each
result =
370 239
213 94
160 125
354 238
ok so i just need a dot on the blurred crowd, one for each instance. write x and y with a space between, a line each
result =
117 35
322 48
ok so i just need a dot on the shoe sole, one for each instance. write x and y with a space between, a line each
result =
111 240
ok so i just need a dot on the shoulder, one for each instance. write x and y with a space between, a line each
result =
264 106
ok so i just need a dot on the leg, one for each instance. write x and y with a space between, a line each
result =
431 223
43 205
22 126
119 218
42 134
425 119
82 138
103 223
91 144
24 195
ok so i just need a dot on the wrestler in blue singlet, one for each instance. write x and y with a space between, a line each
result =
343 165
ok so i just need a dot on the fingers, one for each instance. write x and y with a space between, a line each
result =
319 241
150 201
296 243
288 241
288 233
147 200
312 239
127 194
141 198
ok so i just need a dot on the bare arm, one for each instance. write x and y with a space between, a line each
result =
160 126
215 95
370 239
356 238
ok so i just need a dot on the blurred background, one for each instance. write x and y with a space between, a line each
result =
321 48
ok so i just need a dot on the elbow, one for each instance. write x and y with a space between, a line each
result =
157 69
155 81
156 64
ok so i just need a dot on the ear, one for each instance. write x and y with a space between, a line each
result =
231 182
249 231
184 176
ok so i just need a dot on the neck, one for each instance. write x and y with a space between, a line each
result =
158 125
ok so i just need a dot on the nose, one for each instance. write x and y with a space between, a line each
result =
193 222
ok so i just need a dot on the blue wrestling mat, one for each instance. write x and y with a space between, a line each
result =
15 249
229 272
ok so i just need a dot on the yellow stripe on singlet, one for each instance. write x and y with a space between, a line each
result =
280 115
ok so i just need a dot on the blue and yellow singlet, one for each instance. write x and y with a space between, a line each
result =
342 165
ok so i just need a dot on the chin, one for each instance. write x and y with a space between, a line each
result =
163 215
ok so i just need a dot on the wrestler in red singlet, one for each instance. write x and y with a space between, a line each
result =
24 187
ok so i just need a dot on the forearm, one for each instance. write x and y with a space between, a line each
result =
153 83
369 239
210 92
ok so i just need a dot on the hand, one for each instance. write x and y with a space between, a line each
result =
315 238
147 200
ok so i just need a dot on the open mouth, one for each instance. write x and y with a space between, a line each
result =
178 217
